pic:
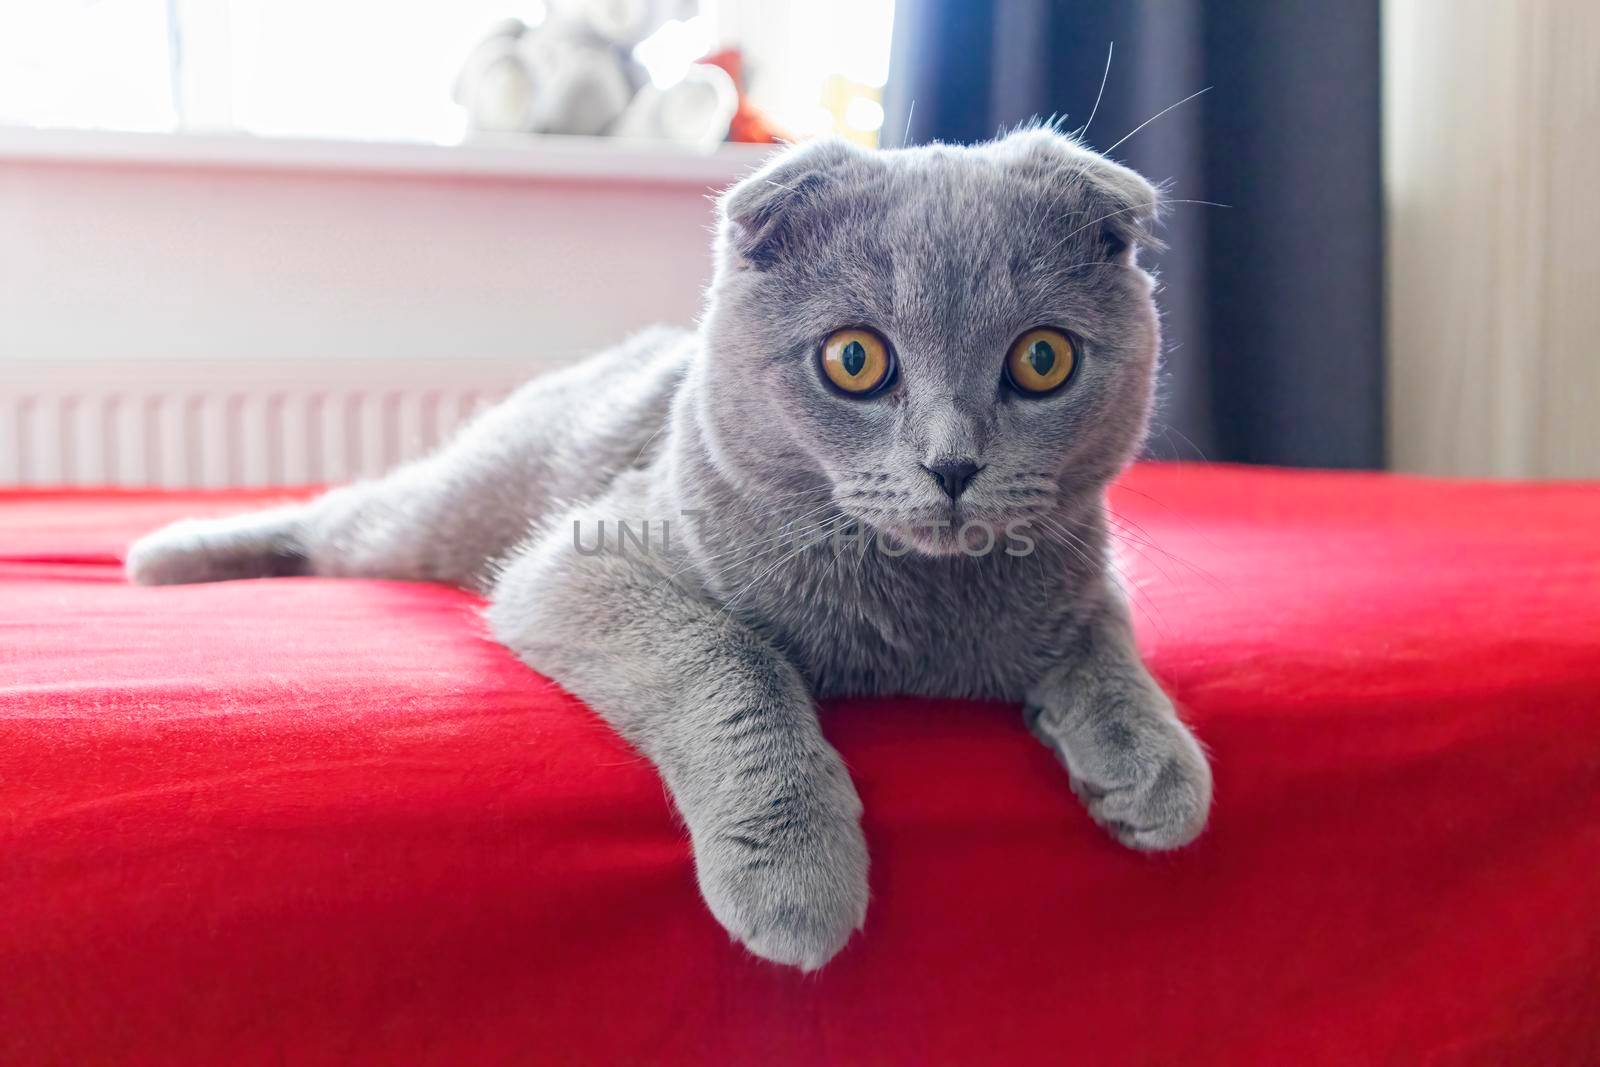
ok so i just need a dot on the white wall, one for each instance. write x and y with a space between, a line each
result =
130 247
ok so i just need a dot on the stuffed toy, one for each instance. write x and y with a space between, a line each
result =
574 73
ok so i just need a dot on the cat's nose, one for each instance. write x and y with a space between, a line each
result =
953 475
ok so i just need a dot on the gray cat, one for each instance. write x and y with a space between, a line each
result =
878 466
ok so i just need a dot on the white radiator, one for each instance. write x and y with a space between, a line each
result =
216 425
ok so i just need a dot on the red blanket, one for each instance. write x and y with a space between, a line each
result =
305 821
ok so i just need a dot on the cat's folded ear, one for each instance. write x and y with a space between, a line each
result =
1117 205
772 213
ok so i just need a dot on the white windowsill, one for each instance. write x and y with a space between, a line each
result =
562 158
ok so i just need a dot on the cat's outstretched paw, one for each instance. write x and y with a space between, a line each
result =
1142 777
172 555
259 545
789 884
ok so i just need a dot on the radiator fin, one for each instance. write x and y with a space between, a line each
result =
203 438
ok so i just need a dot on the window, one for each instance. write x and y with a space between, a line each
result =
372 69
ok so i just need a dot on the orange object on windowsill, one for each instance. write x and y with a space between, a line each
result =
750 124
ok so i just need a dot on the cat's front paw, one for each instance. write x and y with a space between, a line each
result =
787 877
1142 777
1164 806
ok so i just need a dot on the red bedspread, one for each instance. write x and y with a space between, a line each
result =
306 821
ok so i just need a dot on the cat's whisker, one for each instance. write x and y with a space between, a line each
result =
648 441
1136 207
1151 610
1105 76
1137 595
1136 547
1167 430
1068 540
1152 118
1140 536
1123 487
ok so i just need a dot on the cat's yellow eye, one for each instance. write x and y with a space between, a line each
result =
856 360
1040 361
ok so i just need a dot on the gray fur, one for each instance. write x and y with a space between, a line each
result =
707 654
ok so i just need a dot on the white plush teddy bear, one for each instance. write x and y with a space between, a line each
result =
573 73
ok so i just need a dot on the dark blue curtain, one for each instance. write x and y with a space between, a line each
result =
1273 304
